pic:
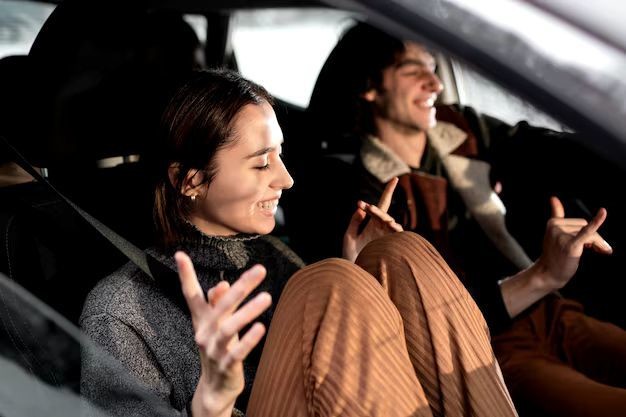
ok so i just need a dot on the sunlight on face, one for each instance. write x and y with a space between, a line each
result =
250 177
409 90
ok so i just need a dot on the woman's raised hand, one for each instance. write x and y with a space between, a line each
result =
380 223
564 242
216 323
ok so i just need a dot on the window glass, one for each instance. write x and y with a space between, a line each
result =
563 43
20 21
568 70
491 99
199 25
284 50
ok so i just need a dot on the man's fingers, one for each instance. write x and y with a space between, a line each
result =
379 214
358 217
600 245
238 291
243 348
570 221
385 199
593 226
192 290
589 235
573 230
557 208
242 317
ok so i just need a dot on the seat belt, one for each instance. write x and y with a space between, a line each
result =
162 275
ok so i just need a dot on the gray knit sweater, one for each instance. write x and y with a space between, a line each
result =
128 315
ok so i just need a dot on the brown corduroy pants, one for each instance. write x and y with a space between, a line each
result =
396 334
560 362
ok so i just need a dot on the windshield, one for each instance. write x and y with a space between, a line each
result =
20 22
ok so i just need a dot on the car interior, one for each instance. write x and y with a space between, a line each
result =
82 105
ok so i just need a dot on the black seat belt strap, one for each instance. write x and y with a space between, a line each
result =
164 276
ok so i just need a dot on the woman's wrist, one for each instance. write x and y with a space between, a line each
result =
206 404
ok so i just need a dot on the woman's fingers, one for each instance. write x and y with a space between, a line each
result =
215 293
192 291
385 199
217 337
243 347
238 291
242 317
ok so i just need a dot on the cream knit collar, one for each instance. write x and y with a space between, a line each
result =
384 164
469 177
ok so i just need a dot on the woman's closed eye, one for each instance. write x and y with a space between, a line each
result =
263 163
266 163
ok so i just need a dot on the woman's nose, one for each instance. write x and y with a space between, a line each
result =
283 180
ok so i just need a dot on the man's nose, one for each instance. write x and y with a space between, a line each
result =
434 84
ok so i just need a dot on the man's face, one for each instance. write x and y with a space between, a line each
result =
408 92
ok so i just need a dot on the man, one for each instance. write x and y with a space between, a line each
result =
383 91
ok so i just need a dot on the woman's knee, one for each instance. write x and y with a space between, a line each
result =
332 274
341 283
406 262
403 243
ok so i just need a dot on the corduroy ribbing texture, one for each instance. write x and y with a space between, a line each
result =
394 335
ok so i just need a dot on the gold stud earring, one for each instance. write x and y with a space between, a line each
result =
193 197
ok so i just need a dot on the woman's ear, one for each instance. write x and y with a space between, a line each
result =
191 183
172 174
370 95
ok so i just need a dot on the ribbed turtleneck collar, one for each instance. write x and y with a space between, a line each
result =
221 253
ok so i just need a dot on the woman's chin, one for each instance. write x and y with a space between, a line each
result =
263 228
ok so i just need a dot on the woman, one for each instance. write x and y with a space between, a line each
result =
390 332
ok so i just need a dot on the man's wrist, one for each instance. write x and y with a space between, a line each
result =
525 288
541 279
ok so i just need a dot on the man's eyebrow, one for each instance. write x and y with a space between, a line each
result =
417 62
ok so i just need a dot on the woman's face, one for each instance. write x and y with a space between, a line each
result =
250 177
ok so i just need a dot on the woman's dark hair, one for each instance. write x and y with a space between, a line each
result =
353 67
196 124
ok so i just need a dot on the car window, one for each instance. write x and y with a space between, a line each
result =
565 70
284 50
199 25
20 22
41 354
489 98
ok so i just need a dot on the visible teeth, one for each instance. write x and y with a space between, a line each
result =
268 205
427 103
